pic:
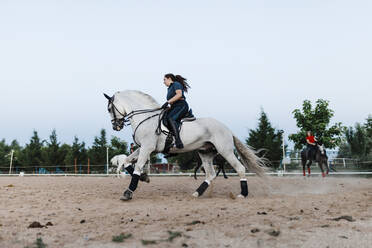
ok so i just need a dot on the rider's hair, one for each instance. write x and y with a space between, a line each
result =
180 79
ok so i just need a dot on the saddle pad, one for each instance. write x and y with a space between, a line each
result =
188 119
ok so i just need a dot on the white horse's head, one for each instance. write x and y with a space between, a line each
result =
123 103
117 112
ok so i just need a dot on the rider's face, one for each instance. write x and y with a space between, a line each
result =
167 81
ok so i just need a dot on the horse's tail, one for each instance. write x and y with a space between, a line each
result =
249 158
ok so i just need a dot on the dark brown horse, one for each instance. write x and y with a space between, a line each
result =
319 156
218 160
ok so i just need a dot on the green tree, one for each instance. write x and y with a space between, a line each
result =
77 151
14 145
357 140
97 153
52 153
118 146
186 161
4 152
344 150
31 156
368 127
317 121
4 156
267 138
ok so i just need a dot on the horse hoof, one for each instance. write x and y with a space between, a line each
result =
241 196
196 194
144 178
128 195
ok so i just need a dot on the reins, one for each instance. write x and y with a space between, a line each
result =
126 119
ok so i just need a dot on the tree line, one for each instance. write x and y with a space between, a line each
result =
357 142
354 142
39 153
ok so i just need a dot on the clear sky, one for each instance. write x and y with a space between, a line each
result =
58 57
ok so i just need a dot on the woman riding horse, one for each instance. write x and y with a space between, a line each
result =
311 145
177 86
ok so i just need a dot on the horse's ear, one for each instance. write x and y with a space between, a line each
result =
108 98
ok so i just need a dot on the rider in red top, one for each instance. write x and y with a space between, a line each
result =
311 144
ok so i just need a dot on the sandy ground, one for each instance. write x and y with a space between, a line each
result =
279 212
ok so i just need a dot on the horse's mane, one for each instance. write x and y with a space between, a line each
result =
146 99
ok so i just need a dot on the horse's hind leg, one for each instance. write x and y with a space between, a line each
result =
210 174
196 169
239 168
303 167
223 171
219 170
321 164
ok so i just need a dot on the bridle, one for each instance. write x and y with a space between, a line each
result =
124 120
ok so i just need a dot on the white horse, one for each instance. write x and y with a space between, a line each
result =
142 111
118 161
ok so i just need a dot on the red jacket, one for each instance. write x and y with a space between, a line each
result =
311 139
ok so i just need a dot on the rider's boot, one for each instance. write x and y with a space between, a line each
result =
174 129
304 172
309 170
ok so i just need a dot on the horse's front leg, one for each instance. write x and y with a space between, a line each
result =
308 167
142 159
210 174
219 170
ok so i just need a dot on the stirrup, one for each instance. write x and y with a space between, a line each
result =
177 144
168 143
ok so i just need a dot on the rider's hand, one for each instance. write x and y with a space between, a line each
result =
165 105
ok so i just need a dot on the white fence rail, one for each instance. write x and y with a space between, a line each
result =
279 173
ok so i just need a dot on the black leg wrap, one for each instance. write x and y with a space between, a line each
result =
130 169
134 182
202 188
244 186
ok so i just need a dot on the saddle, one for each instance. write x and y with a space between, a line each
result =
188 117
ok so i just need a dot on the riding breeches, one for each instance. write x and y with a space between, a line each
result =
177 111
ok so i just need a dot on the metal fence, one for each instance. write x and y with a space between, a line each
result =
339 166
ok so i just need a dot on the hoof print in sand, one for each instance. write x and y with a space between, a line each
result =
344 217
35 224
273 232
